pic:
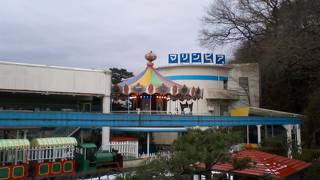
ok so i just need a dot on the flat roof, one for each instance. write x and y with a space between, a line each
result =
54 67
226 66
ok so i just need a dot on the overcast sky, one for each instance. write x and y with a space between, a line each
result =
99 33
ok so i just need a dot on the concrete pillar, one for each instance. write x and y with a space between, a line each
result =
148 143
272 131
105 130
25 132
259 133
298 134
18 133
248 135
81 136
266 131
196 177
289 139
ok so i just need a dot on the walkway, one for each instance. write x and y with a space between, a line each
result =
75 119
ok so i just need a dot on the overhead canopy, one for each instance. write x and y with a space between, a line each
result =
14 144
150 82
54 142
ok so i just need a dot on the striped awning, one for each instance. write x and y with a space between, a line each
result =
14 144
151 82
54 142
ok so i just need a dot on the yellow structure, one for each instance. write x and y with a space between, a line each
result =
242 111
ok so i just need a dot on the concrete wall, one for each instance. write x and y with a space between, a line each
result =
50 79
164 138
201 106
250 70
215 96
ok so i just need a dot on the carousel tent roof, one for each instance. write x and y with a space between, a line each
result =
147 77
150 81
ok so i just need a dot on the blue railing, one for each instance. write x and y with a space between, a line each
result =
75 119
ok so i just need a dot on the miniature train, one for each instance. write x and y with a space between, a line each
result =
52 157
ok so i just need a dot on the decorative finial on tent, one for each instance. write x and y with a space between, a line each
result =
150 56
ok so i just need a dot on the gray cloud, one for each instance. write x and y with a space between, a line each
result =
98 33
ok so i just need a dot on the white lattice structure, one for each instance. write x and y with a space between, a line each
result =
126 148
51 153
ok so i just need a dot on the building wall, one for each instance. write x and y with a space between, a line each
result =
218 97
250 70
203 76
42 78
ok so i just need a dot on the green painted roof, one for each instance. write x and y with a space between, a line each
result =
14 144
53 142
88 145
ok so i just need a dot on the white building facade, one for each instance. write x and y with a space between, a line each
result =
34 87
224 86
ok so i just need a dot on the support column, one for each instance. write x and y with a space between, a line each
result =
298 134
259 133
248 135
289 139
25 132
148 143
196 177
272 131
265 131
81 136
18 134
105 140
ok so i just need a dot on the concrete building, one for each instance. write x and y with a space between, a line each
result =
50 88
29 87
224 86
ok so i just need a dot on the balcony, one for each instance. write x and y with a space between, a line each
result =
222 94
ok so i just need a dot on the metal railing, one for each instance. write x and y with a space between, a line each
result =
163 113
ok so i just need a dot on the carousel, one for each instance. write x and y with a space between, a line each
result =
150 92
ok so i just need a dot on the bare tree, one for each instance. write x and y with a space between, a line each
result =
238 20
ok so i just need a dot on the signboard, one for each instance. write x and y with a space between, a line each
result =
196 58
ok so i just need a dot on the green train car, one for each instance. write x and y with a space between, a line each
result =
53 157
89 159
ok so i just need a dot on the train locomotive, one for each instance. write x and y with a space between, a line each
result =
43 158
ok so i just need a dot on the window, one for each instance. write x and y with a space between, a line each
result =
244 82
225 84
85 107
224 109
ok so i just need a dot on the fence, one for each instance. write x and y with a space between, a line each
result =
51 153
129 149
13 156
36 154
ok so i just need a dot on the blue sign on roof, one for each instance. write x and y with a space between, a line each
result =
196 58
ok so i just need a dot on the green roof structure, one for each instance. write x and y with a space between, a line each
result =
88 145
14 144
54 142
